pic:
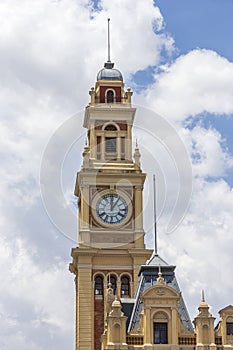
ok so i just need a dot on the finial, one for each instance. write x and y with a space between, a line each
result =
109 60
202 295
160 279
137 155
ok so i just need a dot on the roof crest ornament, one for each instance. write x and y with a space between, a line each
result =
160 279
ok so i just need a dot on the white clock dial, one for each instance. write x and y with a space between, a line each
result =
111 209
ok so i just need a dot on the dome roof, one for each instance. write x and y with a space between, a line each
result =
109 73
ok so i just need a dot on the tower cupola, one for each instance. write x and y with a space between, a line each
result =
109 73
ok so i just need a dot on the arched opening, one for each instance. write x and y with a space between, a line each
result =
110 127
111 142
113 284
125 286
229 325
160 333
98 285
160 328
116 334
110 96
205 334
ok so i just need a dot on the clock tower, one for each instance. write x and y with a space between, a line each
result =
109 188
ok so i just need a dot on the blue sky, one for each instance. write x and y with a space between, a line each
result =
204 24
182 75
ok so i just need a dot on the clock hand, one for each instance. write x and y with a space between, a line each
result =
111 203
115 203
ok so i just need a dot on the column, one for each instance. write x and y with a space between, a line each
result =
128 144
85 316
92 141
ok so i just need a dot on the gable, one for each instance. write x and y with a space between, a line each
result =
160 291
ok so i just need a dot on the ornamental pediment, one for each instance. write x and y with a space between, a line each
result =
162 291
227 310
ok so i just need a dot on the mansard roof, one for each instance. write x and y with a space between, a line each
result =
148 277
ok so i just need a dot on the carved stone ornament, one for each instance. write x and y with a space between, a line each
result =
160 291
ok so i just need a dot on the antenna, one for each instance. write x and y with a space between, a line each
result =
155 221
109 40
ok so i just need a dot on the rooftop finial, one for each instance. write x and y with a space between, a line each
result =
160 279
109 60
160 273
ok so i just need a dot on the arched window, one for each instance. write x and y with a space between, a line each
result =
110 127
229 326
160 333
113 283
98 285
111 142
125 286
160 328
110 96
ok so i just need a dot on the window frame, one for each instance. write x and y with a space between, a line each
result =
112 98
229 328
102 285
162 329
127 289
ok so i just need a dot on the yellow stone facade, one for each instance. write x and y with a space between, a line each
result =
116 306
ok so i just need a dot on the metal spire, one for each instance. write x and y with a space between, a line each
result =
108 64
109 60
155 220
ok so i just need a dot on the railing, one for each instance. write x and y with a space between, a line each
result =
187 340
218 340
117 99
134 340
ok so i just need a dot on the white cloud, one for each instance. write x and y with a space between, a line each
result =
50 54
33 296
196 82
208 151
201 246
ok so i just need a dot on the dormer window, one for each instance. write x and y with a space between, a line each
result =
160 328
160 333
229 328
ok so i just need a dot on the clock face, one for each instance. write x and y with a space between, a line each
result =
111 209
